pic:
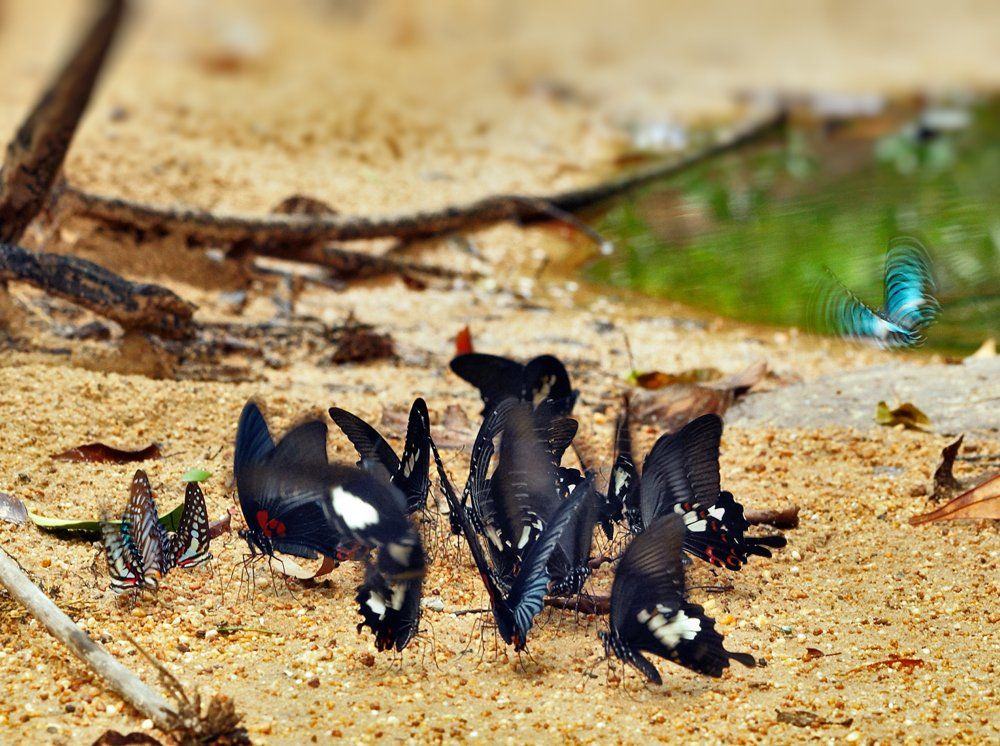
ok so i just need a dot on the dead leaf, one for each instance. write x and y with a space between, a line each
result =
657 379
105 454
221 526
945 483
812 653
114 738
907 663
287 566
740 383
673 407
12 510
300 204
987 349
463 341
799 718
360 344
906 414
982 501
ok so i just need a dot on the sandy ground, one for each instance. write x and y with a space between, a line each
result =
231 107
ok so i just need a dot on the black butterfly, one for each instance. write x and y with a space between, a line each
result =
623 485
681 475
649 611
280 516
389 601
188 546
411 474
514 609
498 378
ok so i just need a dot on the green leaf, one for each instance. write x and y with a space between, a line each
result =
92 528
907 415
195 475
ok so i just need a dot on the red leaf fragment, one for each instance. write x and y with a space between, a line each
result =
463 341
101 453
907 663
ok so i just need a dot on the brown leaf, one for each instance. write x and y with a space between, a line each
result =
300 204
945 483
812 653
787 517
657 379
799 718
982 501
906 414
105 454
908 663
114 738
741 382
221 526
673 407
12 510
359 345
463 341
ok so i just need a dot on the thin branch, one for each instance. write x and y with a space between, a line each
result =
125 683
138 306
36 153
277 229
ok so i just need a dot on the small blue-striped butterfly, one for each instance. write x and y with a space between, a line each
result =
188 546
135 554
909 307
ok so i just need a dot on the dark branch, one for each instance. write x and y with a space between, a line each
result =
137 306
583 603
285 229
36 153
787 517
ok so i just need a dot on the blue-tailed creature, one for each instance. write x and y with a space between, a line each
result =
908 310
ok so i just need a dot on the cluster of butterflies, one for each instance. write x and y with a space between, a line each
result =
528 520
140 551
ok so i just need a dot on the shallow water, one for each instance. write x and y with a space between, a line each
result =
749 235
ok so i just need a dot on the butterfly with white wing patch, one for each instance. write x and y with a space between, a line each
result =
650 612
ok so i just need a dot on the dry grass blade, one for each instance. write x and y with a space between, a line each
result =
35 155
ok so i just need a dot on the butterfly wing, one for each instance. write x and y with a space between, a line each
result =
367 441
527 593
124 563
477 487
909 288
568 566
623 484
524 482
390 606
413 478
496 377
840 311
145 531
649 610
682 468
468 530
545 379
281 502
189 545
